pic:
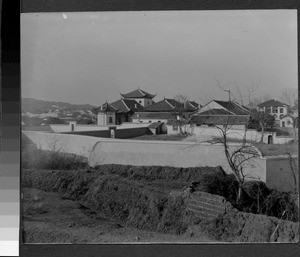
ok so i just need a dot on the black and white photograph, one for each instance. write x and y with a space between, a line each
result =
159 127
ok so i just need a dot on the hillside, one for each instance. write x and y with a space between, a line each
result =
39 112
40 106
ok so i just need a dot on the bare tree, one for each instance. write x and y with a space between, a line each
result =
264 119
180 111
239 157
288 96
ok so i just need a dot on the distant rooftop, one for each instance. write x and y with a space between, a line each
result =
272 102
167 105
138 93
127 105
233 107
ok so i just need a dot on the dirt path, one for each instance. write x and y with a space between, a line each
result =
50 218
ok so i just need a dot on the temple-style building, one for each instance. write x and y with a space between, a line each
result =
122 110
140 96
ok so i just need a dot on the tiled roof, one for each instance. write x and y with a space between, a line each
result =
219 120
215 112
193 104
167 105
164 105
126 105
138 93
233 107
272 102
107 108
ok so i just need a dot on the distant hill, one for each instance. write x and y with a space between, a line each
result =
35 106
39 112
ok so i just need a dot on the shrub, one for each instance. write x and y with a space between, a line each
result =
33 158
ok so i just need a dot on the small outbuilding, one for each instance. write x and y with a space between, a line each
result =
158 128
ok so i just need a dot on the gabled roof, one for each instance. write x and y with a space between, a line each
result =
214 112
168 104
193 104
272 102
138 93
219 120
127 105
165 105
107 108
233 107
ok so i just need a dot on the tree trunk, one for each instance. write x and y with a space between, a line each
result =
239 195
262 133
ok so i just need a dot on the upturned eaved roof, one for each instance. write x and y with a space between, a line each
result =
127 105
138 93
233 107
272 102
219 120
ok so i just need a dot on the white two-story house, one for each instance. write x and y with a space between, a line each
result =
278 110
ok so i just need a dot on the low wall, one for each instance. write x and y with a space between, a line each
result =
118 133
282 173
78 127
131 132
202 134
80 145
99 133
275 171
132 125
207 133
168 153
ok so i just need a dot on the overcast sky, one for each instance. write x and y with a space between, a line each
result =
88 58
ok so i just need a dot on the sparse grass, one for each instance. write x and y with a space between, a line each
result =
33 158
138 195
278 149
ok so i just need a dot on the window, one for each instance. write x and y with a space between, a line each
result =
175 127
140 102
275 109
110 120
281 110
149 121
288 122
268 109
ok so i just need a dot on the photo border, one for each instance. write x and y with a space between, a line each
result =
230 249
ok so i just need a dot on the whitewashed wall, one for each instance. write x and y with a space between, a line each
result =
78 127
